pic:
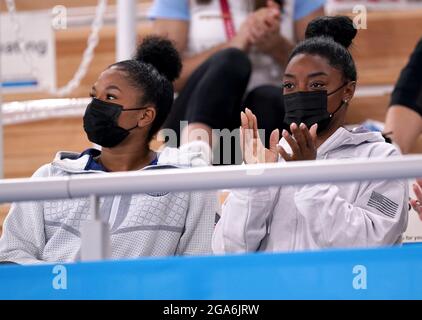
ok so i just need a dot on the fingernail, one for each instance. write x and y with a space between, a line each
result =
302 126
285 133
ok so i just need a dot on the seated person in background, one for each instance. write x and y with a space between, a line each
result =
404 117
417 203
234 54
130 102
319 82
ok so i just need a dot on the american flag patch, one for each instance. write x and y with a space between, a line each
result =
383 204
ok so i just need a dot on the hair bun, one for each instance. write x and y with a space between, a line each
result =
340 28
162 54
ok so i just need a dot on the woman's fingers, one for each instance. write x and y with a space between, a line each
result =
417 203
252 37
417 206
249 115
256 29
248 136
309 135
313 132
255 127
273 5
299 137
245 131
252 147
249 122
284 154
262 22
292 143
242 142
244 120
252 122
418 191
248 146
274 139
273 18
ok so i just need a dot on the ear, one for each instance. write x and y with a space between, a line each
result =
147 116
349 91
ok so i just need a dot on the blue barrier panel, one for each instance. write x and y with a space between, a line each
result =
393 273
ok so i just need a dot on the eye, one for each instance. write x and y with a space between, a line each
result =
317 85
288 85
110 97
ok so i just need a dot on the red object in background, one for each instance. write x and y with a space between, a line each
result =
227 19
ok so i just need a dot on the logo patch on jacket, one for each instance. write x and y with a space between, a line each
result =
383 204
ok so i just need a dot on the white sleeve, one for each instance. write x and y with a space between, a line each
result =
244 221
377 217
23 237
193 154
199 225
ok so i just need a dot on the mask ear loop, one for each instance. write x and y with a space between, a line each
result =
339 88
343 102
132 109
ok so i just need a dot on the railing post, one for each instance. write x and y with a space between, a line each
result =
95 235
126 29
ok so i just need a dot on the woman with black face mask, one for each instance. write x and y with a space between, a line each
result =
318 84
130 101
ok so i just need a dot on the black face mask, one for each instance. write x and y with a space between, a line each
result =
100 123
309 107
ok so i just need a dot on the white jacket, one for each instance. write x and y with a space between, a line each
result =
290 218
150 224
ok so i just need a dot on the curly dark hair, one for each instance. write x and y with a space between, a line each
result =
330 38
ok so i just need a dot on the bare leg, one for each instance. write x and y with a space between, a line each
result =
405 125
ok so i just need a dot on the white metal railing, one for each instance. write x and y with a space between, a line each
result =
95 233
206 178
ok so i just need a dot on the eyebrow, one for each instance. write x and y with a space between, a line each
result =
108 88
311 75
113 87
316 74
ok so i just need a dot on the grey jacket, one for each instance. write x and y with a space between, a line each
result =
331 215
163 224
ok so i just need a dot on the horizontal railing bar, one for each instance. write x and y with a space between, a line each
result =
207 178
